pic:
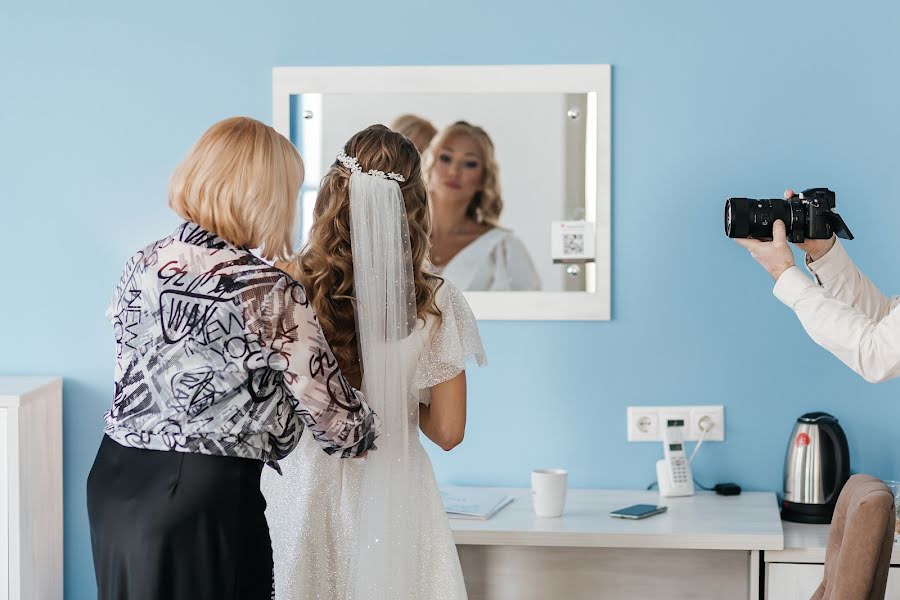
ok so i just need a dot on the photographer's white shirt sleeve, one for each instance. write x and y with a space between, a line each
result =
846 314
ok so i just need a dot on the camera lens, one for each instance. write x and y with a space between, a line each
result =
748 217
737 217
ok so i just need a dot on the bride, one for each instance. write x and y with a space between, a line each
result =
469 246
374 528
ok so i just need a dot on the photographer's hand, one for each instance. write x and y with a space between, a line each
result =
816 249
775 256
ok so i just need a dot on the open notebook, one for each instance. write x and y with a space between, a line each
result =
472 502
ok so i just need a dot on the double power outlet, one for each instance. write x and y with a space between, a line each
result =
646 423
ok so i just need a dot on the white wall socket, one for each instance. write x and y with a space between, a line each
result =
646 423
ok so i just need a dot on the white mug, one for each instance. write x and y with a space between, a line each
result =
548 491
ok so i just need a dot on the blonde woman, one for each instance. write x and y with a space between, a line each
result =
419 130
221 365
375 529
468 245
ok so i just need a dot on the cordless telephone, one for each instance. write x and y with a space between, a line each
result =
673 473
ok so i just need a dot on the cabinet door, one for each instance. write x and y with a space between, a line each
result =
4 505
788 581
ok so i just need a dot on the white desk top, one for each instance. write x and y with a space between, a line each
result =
16 391
704 521
807 543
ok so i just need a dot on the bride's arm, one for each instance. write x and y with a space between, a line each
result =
444 420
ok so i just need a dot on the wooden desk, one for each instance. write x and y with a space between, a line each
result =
704 546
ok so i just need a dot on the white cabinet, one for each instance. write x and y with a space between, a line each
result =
790 581
31 493
796 571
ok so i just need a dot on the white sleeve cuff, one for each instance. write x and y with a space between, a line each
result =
791 286
832 264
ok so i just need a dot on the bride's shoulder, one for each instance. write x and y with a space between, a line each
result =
447 294
508 237
453 337
448 299
503 240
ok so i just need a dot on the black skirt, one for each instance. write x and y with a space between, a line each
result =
177 526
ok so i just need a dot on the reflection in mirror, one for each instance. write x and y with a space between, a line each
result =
498 181
469 245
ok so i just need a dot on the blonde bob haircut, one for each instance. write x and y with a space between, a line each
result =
240 181
417 129
487 204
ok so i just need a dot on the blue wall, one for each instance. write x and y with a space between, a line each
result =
98 102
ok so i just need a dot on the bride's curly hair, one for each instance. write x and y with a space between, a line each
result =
325 264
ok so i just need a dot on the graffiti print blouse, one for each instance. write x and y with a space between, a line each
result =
221 353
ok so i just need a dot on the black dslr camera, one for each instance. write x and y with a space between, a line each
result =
809 215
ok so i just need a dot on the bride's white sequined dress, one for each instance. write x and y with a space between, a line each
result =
312 507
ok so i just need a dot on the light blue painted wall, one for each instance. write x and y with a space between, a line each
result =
98 102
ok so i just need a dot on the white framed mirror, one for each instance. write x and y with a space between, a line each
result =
546 254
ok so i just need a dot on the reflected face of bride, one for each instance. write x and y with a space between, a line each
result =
458 172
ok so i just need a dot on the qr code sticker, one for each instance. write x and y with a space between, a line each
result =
573 243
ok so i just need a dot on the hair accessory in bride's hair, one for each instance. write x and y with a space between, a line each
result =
351 163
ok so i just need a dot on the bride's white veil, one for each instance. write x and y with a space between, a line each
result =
385 550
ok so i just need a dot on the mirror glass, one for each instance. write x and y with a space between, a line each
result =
487 237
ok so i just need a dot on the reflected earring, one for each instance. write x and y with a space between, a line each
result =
475 208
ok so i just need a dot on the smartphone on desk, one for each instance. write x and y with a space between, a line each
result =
638 511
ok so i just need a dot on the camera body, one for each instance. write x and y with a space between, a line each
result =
809 215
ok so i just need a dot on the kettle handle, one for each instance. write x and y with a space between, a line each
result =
841 459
